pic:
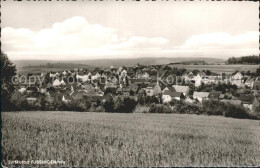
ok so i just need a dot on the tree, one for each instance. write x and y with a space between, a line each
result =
258 71
109 105
8 71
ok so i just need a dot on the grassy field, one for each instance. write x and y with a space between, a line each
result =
105 139
219 68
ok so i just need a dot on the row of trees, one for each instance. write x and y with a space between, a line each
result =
244 60
208 107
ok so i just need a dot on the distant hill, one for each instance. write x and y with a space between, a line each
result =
147 61
190 63
59 65
27 66
118 62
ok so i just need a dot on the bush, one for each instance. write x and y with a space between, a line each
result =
188 109
160 108
236 112
213 107
141 109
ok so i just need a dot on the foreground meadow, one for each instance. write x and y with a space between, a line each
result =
105 139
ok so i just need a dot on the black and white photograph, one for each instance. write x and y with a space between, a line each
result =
130 83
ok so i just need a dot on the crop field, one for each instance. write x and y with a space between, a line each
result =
114 139
218 68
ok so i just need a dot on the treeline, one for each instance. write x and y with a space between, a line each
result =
244 60
208 107
127 105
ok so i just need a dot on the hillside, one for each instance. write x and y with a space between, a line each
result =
120 62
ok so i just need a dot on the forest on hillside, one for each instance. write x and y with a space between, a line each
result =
253 59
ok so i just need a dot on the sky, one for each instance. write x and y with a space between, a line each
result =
81 30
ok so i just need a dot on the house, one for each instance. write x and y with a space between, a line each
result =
256 85
43 88
96 99
58 82
31 100
236 102
183 89
83 78
66 98
141 92
198 78
52 75
144 75
123 73
157 90
133 89
237 79
237 76
110 85
96 76
64 73
88 88
256 104
247 100
78 95
188 100
32 89
126 91
221 96
137 81
249 82
22 89
225 101
169 88
149 89
119 90
168 95
201 96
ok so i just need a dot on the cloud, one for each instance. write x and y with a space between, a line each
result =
222 40
74 36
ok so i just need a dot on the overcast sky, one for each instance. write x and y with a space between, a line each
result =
87 30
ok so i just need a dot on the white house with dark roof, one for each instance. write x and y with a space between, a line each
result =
201 96
183 89
168 95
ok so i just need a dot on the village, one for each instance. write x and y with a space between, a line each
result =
160 84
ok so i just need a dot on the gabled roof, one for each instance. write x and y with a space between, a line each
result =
87 87
134 88
236 72
32 88
236 102
173 94
179 88
222 96
246 98
78 95
201 94
137 80
111 85
200 73
152 85
171 88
